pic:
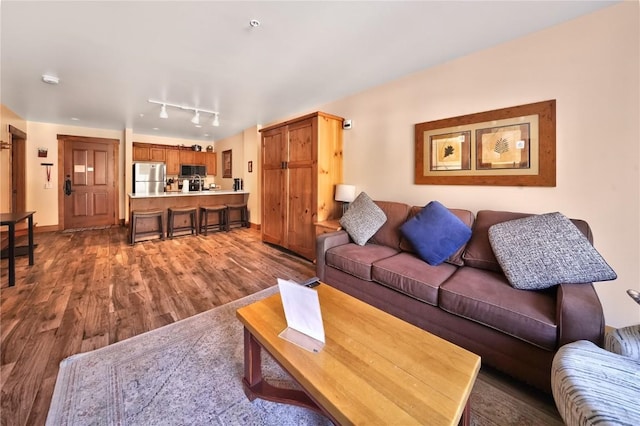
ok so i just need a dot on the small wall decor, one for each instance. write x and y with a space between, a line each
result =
510 147
226 164
42 152
250 166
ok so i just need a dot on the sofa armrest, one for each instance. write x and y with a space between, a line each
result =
579 314
323 243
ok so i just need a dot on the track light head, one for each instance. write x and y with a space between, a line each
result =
196 118
163 112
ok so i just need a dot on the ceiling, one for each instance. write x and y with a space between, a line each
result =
112 57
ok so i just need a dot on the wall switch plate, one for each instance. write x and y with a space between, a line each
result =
48 185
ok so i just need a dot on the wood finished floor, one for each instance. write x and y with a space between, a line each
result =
90 289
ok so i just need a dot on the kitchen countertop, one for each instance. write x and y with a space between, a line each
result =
187 194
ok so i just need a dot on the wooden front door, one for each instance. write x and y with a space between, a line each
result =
89 183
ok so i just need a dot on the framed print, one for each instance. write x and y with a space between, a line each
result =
226 164
450 151
504 147
513 146
250 166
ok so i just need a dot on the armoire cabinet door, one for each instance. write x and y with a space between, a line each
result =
273 186
302 181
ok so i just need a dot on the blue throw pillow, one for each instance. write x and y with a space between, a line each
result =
435 233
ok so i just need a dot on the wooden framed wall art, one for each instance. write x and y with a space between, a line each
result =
513 146
226 164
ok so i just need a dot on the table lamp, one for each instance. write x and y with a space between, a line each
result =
345 194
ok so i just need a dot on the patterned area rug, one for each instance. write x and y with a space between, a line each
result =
190 372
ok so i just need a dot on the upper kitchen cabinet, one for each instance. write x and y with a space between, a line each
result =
301 164
172 159
148 152
187 156
211 162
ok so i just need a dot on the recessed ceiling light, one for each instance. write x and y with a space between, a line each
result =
254 23
50 79
75 118
156 128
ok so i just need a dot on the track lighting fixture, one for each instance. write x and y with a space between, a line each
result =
163 112
196 116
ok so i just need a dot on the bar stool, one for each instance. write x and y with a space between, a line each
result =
137 216
187 223
204 218
243 220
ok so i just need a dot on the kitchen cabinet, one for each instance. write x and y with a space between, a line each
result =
199 157
148 152
157 153
141 152
172 160
301 164
211 163
187 156
174 156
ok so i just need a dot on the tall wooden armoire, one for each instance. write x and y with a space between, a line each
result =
301 164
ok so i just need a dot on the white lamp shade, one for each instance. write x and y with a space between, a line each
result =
345 193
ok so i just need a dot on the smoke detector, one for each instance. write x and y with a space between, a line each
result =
50 79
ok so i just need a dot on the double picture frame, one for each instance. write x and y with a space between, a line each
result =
513 146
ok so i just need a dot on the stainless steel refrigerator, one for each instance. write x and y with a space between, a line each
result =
149 178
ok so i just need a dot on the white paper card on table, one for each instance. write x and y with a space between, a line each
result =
302 312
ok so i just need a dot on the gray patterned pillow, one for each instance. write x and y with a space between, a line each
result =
363 219
540 251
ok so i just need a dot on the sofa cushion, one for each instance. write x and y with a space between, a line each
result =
389 233
544 250
486 297
409 275
362 219
478 252
357 260
435 233
456 258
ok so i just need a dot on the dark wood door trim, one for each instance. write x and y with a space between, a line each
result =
18 173
62 140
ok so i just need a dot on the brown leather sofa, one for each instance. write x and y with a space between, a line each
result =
470 304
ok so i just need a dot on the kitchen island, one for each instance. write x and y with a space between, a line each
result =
178 199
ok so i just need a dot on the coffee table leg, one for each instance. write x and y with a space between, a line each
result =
255 387
465 420
252 365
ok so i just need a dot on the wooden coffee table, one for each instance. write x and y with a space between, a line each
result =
373 369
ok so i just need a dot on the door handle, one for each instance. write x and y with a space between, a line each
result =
67 185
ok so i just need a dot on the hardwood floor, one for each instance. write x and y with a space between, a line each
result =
90 289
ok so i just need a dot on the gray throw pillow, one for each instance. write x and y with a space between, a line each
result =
541 251
363 219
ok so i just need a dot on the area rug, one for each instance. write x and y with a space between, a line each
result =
190 372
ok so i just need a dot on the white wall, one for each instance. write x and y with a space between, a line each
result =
251 141
590 66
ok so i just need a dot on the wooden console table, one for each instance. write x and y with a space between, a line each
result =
10 220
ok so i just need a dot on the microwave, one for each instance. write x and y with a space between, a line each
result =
188 170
